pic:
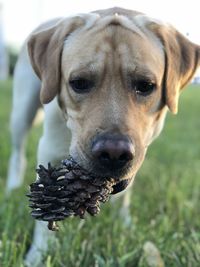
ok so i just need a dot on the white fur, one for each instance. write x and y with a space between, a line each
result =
25 105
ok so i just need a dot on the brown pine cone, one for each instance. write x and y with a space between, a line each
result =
65 191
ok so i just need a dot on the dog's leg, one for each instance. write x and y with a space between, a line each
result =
42 237
53 147
125 200
125 209
26 102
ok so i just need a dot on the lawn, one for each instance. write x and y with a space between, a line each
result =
165 204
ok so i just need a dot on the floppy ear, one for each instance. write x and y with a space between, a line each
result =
45 50
182 58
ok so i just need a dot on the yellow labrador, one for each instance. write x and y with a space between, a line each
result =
109 77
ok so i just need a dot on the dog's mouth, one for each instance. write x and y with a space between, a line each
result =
121 186
120 177
121 183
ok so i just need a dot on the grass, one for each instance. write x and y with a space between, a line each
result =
165 203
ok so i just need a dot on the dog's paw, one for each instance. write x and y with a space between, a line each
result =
34 257
151 256
43 241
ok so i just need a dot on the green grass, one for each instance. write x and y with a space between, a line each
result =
165 204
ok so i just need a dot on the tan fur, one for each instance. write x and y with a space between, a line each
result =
181 61
45 49
113 47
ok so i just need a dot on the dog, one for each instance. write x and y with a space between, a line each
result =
106 81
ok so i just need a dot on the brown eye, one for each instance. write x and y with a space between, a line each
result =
81 85
143 88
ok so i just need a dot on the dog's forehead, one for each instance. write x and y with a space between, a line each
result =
101 37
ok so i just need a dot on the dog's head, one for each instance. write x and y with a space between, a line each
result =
115 73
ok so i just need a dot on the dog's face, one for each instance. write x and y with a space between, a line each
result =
112 92
114 79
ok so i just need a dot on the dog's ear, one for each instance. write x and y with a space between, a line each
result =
45 50
182 59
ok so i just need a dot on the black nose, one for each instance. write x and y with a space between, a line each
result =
113 151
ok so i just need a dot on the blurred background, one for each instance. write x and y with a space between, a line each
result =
165 217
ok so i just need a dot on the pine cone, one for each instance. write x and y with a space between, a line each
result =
65 191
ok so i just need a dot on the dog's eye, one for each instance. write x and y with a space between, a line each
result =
81 85
143 88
